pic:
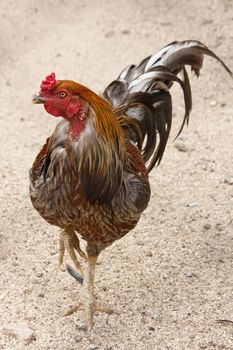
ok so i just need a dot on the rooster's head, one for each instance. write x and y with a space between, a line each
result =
62 98
78 104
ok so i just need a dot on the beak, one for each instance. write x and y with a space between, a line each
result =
38 99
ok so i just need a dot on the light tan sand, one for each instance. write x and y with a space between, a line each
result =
172 277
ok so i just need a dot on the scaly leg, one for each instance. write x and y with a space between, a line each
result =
70 242
88 303
87 293
88 289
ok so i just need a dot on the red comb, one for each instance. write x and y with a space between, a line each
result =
49 82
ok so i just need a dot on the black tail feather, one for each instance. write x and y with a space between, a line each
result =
141 93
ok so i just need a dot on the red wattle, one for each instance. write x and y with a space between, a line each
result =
52 110
73 108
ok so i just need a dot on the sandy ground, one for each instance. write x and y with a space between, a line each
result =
172 277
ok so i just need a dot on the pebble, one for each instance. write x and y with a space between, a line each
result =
156 317
2 296
207 226
228 180
188 274
189 203
109 34
149 254
22 331
218 227
181 147
125 31
78 339
39 274
213 103
93 346
80 326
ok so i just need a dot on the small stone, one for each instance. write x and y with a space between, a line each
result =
93 346
188 274
22 331
149 254
125 31
218 227
27 290
228 180
109 34
80 326
78 339
213 103
189 203
181 147
156 317
207 226
2 296
53 252
192 204
151 329
41 295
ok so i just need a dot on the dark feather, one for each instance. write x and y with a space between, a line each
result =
143 93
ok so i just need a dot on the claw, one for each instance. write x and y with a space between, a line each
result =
73 310
107 310
74 273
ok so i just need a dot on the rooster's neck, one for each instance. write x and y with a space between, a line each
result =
97 151
76 127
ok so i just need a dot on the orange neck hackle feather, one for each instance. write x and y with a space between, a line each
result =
105 121
100 164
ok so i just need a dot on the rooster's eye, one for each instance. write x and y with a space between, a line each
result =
62 94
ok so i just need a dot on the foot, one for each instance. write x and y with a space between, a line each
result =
89 310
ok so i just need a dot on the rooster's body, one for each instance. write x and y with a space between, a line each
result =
91 176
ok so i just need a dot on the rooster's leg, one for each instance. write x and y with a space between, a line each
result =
70 242
61 250
88 289
88 303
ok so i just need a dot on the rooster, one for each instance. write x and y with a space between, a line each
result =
91 176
